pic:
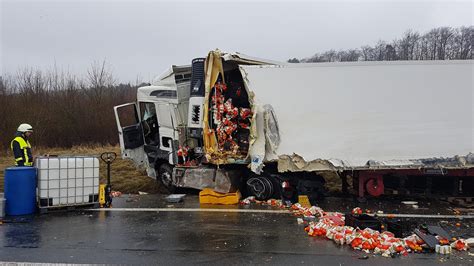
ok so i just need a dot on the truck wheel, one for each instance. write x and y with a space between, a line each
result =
165 177
260 187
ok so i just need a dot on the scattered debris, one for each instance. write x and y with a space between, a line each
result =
436 230
410 202
115 194
430 240
363 221
400 228
335 226
175 198
460 245
142 193
470 242
248 200
444 249
467 202
132 198
357 210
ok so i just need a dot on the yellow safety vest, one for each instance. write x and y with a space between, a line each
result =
24 146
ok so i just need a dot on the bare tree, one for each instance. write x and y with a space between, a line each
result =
99 77
445 33
406 45
368 53
330 56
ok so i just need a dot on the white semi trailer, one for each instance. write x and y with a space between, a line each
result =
229 121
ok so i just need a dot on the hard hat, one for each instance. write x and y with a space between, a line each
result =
25 128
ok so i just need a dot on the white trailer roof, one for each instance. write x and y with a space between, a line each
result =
388 113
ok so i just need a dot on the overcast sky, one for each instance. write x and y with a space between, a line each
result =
143 38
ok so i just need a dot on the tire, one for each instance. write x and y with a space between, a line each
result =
260 187
165 177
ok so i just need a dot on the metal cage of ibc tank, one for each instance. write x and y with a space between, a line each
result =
67 181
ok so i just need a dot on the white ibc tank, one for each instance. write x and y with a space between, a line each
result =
68 180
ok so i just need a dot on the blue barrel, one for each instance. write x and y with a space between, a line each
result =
20 190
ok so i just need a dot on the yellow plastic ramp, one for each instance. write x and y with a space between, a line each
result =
209 196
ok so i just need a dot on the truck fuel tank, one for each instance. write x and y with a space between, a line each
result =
220 180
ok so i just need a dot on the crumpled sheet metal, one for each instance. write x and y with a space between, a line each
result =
213 68
139 155
257 147
296 163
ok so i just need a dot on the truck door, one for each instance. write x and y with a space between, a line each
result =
131 136
168 127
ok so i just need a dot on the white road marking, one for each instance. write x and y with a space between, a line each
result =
436 216
398 215
11 263
185 210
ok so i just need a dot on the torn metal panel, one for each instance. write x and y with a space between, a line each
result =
139 158
296 163
243 59
257 148
213 68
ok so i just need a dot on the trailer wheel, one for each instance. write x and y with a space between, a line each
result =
374 187
165 177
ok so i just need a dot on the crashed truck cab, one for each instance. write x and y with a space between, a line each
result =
195 126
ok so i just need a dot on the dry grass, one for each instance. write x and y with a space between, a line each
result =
124 176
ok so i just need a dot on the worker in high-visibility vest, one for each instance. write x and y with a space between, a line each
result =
21 146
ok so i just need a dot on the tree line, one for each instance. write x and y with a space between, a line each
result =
443 43
64 109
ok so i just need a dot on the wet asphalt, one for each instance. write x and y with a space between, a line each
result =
172 237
